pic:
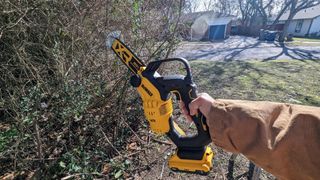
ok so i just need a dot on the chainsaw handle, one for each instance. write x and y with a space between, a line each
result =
185 90
186 94
154 66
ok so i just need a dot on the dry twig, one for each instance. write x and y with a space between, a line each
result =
109 142
80 174
162 142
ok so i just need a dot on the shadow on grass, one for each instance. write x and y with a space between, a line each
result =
283 81
235 48
231 52
295 53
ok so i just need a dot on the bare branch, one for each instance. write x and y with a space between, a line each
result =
307 4
282 11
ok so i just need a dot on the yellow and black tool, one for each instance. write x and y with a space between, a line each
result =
156 91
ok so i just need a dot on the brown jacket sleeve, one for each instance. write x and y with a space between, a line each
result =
283 139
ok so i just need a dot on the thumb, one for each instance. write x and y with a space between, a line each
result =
195 105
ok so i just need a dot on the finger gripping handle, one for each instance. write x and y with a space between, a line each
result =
194 146
186 95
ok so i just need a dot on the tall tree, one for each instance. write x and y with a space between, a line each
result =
229 7
247 11
263 7
191 6
208 5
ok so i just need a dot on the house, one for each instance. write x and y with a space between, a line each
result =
186 22
305 23
211 26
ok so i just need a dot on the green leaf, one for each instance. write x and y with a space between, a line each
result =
118 174
75 168
62 164
127 162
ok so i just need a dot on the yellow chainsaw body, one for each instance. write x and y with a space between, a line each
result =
156 110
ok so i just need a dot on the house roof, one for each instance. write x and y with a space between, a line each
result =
308 13
208 15
219 21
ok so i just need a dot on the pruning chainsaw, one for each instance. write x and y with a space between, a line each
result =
192 154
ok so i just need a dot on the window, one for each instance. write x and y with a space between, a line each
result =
298 26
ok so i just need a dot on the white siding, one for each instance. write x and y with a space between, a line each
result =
304 29
199 29
315 27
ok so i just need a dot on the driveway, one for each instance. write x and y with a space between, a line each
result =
246 48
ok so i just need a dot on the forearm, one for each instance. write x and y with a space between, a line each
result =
281 138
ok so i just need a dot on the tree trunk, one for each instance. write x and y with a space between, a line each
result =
293 12
284 33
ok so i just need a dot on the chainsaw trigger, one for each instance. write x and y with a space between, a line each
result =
176 93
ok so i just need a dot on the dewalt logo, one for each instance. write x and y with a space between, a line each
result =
147 90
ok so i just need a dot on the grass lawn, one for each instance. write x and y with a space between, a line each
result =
290 81
304 42
306 39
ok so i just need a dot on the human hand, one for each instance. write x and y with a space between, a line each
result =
202 103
